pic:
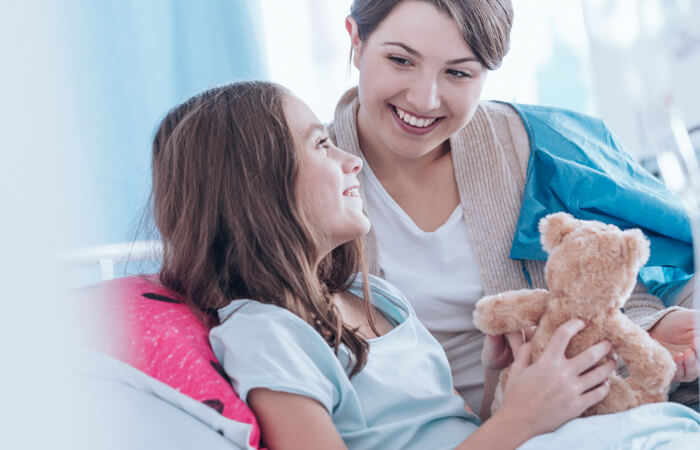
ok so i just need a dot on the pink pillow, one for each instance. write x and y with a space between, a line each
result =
152 330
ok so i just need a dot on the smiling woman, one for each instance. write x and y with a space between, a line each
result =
446 174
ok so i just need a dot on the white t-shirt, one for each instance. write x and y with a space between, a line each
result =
438 273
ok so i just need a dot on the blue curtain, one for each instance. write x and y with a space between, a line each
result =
130 61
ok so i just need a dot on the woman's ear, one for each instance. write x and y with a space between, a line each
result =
355 42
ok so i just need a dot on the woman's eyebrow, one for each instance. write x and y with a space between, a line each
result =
417 54
408 49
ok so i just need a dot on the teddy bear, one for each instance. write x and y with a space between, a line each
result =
590 272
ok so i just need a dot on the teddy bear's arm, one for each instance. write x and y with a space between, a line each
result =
510 311
648 362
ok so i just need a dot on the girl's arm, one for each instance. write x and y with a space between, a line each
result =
538 399
290 421
541 397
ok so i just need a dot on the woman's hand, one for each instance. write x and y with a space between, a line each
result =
675 332
555 389
498 350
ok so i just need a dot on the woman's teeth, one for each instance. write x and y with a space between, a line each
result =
412 120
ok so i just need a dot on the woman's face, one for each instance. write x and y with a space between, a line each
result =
419 80
327 183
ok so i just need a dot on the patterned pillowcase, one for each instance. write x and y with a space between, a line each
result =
148 327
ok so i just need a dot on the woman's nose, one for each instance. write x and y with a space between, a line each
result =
424 95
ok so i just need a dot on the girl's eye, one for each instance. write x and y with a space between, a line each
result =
458 74
399 61
323 145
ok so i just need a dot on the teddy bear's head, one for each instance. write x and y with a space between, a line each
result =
591 265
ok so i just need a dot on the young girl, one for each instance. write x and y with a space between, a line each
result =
445 176
261 220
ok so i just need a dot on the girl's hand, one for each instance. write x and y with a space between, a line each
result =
498 350
676 333
555 389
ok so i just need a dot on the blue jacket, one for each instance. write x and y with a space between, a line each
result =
577 165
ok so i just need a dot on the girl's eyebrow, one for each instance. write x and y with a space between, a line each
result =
314 128
417 54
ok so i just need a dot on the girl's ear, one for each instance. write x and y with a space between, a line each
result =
355 42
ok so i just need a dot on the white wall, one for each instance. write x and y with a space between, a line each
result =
645 56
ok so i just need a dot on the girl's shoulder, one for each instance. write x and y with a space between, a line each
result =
247 318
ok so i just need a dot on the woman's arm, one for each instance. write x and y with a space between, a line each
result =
290 421
671 327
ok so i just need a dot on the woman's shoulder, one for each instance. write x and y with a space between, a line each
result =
509 128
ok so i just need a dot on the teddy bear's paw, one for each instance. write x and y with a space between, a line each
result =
476 319
480 319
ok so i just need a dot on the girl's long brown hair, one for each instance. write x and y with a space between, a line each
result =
224 201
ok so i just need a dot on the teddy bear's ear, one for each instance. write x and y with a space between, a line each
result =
554 227
636 247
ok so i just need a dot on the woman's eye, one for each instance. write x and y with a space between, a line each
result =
399 60
458 74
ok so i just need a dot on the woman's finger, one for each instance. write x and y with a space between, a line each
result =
497 342
590 357
560 339
690 366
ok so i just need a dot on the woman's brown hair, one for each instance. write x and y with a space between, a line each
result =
485 24
224 201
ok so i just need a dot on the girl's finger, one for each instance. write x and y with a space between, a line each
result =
560 339
595 395
590 357
515 339
596 376
523 358
529 332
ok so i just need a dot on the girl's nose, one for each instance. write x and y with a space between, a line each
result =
351 163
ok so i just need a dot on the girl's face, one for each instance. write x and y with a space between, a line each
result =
327 183
419 81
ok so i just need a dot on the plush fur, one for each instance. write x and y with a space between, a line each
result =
591 271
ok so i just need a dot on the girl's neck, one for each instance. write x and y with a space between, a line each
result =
387 164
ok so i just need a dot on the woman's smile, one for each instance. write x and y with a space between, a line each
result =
414 123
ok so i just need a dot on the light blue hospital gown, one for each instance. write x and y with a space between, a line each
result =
402 398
